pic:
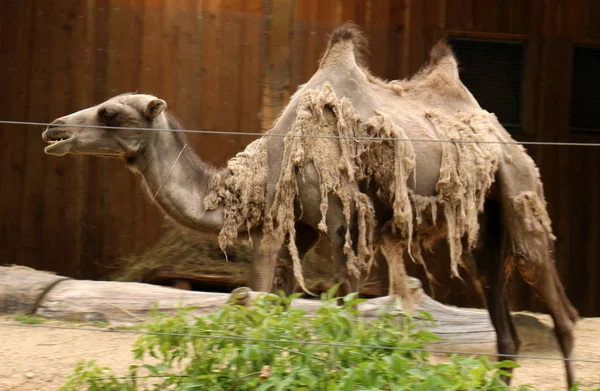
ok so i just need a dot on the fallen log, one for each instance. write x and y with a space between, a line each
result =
127 303
21 288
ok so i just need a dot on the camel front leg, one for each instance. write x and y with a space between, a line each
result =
393 251
262 267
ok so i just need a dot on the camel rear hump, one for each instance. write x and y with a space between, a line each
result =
346 48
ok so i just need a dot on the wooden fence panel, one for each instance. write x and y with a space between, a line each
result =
211 61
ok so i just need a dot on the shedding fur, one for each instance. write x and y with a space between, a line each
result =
532 237
243 190
321 113
323 137
467 172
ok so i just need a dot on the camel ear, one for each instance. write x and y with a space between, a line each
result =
154 108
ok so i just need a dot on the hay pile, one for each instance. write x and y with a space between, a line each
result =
185 251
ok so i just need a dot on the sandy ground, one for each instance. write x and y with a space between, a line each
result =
40 358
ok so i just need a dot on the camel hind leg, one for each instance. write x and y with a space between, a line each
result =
490 259
532 254
531 242
532 247
543 278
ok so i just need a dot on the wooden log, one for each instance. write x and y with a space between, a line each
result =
22 288
128 303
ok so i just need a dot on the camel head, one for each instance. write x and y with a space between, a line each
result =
92 131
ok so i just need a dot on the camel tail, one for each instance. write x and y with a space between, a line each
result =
347 46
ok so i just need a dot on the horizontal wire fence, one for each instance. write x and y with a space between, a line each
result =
284 135
299 342
303 342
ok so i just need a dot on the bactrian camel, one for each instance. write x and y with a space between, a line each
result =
379 167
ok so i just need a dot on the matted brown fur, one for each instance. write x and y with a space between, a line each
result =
433 104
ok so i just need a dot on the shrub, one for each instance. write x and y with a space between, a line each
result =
272 347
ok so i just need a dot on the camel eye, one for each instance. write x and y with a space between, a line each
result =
107 116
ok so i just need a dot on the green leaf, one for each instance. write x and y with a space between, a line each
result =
507 364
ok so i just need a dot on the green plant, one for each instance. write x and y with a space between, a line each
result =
272 347
28 319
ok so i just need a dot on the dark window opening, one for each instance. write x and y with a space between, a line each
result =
584 90
493 72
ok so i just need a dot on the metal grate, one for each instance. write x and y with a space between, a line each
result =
584 89
493 72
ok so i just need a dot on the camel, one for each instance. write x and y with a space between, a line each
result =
379 167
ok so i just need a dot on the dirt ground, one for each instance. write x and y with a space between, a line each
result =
41 358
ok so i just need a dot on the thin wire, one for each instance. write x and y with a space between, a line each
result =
300 342
169 173
323 136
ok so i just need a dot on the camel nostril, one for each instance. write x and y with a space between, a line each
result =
56 123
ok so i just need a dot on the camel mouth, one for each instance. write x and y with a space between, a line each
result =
60 142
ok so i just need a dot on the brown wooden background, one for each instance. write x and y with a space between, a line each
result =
231 65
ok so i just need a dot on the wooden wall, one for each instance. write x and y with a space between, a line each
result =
231 65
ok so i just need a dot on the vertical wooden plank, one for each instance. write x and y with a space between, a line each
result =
307 39
349 10
405 39
573 15
276 75
525 16
210 66
434 25
577 207
531 74
330 12
31 205
188 55
593 20
81 94
113 183
15 22
379 38
399 26
592 232
151 45
250 74
168 57
229 75
51 185
96 218
486 15
418 46
460 15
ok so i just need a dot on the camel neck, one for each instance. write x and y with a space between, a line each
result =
177 180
